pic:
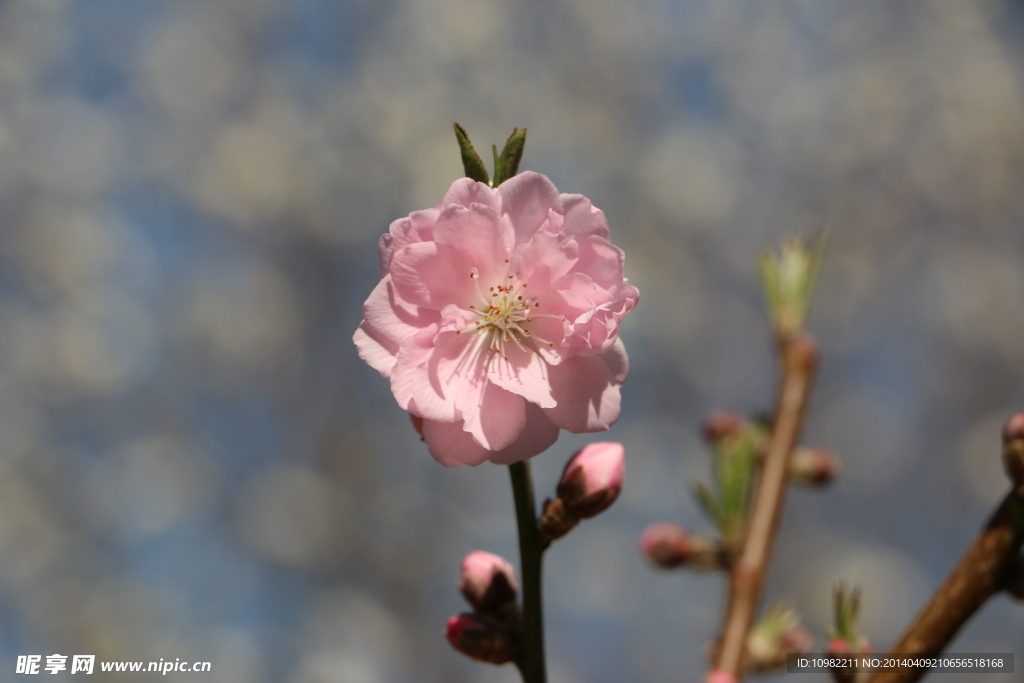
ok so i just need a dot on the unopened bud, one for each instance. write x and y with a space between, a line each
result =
592 479
777 634
475 638
719 676
555 521
1013 448
841 646
798 640
813 466
722 424
668 545
488 582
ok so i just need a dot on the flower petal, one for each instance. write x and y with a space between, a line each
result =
466 192
408 376
451 445
526 199
493 416
387 321
524 374
452 368
601 261
416 227
432 275
581 218
481 236
374 353
536 437
587 390
543 259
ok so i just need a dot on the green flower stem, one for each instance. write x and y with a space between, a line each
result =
531 664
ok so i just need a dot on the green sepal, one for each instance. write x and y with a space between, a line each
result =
708 503
471 161
506 164
846 610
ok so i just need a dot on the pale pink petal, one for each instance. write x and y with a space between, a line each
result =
432 275
542 260
581 218
547 338
375 354
479 234
537 436
587 391
524 374
458 359
579 289
617 361
451 445
466 192
555 222
493 416
431 388
385 250
601 261
416 227
408 372
387 321
526 199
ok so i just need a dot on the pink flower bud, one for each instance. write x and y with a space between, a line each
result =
1013 448
475 638
797 640
719 676
488 582
592 479
813 466
722 424
841 646
1014 428
668 545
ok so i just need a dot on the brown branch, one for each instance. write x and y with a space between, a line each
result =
979 575
799 355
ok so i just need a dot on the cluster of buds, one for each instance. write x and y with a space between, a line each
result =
492 631
773 638
776 636
737 445
590 483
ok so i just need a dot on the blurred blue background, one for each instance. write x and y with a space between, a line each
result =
195 464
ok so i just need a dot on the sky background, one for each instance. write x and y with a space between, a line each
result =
195 464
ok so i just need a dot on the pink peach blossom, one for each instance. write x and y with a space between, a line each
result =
497 319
